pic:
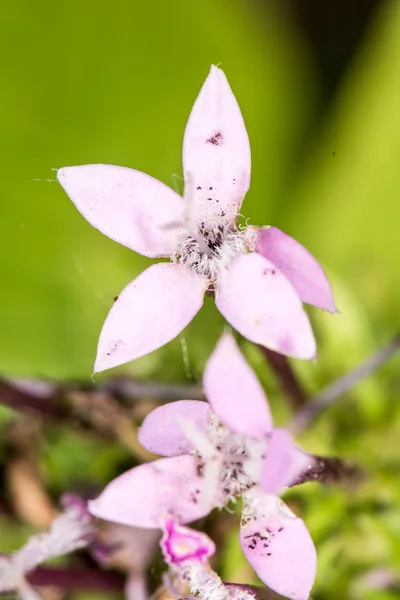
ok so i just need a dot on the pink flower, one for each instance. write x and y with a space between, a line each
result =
215 453
186 551
260 276
181 545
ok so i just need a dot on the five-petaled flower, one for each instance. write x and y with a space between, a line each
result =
216 452
259 275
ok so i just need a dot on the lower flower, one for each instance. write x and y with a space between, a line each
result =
216 453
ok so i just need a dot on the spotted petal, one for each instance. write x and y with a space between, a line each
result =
162 431
297 264
216 153
234 392
279 547
145 495
283 463
128 206
152 310
258 301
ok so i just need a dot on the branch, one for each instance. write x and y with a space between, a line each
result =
286 376
23 401
77 578
328 471
56 407
126 389
341 386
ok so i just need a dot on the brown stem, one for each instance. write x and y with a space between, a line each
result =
56 408
126 389
328 471
29 403
286 376
77 578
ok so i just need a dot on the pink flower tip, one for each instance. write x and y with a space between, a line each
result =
181 544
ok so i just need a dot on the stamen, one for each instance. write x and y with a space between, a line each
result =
223 243
232 463
190 214
206 585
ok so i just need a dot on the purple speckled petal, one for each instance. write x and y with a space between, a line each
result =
216 152
161 431
283 463
234 392
298 265
151 311
278 546
144 495
258 301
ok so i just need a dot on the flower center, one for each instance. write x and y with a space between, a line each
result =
211 250
232 463
206 585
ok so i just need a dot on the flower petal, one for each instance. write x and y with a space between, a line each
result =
283 463
128 206
298 265
161 431
216 152
145 495
258 301
181 544
149 312
234 392
279 547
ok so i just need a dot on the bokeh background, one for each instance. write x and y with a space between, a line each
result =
318 83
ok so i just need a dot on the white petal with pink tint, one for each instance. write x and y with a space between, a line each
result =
298 265
162 431
152 310
279 547
234 392
216 152
145 495
258 301
128 206
284 462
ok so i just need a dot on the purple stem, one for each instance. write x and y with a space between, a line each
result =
328 471
128 389
77 578
25 402
344 384
286 376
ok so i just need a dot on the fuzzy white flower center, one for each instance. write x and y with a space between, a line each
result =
231 463
212 249
241 459
206 585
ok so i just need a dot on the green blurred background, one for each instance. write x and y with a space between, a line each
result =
319 87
